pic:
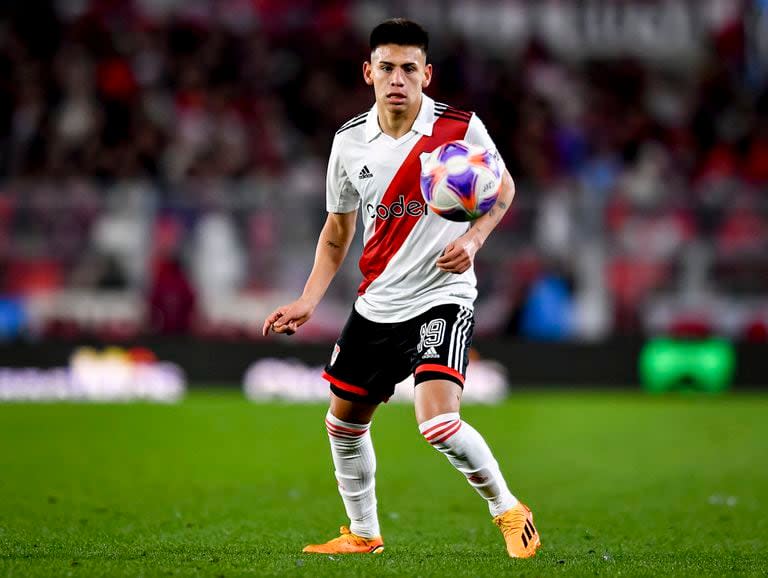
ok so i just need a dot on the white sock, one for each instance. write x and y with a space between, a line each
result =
466 449
355 463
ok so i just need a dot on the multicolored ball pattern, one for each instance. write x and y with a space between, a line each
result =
460 181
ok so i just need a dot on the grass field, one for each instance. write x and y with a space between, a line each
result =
216 486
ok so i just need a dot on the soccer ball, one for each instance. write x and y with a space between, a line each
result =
460 181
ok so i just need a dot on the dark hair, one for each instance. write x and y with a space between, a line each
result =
400 31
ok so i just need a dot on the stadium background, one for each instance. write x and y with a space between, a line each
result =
161 186
164 166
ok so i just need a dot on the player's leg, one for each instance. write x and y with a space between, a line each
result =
348 424
445 334
437 404
356 391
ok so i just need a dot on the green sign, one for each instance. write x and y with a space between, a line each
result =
704 365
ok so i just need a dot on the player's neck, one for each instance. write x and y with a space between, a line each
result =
396 124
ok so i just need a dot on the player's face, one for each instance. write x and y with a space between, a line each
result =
398 74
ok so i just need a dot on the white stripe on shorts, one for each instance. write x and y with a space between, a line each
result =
464 338
457 342
453 336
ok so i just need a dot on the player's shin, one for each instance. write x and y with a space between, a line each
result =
466 449
355 463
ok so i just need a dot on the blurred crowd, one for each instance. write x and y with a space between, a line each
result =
176 151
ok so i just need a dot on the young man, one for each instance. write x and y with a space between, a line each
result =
414 309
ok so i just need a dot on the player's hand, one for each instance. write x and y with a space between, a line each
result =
288 318
459 255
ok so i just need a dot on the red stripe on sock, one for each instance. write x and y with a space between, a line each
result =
339 436
448 434
440 432
344 430
434 427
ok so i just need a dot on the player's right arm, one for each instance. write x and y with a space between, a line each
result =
332 247
341 201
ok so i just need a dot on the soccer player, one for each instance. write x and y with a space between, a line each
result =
413 313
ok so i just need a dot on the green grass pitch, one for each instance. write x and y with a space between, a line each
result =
620 483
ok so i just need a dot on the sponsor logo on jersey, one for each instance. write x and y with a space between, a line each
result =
397 209
335 354
365 173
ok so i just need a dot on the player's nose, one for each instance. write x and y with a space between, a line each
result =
397 78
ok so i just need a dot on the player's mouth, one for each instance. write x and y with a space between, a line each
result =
396 97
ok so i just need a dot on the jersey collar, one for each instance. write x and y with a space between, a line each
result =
423 123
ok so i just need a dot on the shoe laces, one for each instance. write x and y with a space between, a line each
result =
348 536
511 523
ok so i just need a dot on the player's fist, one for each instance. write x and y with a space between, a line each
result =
288 318
459 255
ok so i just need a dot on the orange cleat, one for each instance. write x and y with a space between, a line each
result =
348 543
521 536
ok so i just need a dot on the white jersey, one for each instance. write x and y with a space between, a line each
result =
372 171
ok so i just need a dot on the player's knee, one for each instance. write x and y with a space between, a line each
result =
440 428
344 432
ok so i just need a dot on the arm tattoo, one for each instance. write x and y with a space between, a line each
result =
333 245
493 211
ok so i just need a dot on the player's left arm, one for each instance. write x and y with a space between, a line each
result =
459 255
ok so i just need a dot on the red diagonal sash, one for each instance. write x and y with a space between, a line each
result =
390 234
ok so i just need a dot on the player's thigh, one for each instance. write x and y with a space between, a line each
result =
352 411
366 363
436 397
440 359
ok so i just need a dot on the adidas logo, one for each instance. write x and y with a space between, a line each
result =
365 173
430 353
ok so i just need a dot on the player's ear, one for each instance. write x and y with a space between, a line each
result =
427 76
368 73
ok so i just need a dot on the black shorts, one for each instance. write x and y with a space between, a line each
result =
370 358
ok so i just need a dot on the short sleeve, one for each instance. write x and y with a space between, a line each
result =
340 194
478 134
